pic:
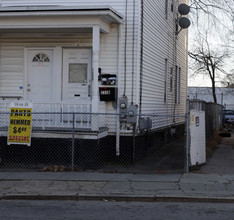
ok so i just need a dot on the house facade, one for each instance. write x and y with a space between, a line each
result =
89 56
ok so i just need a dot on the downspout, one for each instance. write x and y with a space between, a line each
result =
118 86
138 49
125 48
133 49
175 67
133 70
141 56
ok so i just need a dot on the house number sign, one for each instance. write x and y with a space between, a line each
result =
20 124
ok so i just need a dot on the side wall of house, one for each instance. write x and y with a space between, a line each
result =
160 44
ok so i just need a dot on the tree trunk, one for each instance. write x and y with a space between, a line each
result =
213 91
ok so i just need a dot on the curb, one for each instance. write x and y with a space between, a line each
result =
120 198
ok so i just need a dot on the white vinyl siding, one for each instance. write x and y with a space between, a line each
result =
11 71
130 54
159 42
156 41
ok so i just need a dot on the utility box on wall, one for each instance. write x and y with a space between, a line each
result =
108 93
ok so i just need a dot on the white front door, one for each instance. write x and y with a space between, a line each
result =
40 75
76 74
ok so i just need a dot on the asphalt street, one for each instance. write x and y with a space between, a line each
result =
106 210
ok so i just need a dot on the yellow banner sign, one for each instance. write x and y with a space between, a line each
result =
20 126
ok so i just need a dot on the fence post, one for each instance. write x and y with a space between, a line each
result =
186 167
73 141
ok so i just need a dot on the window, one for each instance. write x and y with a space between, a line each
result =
166 81
171 79
166 9
178 85
78 72
172 7
41 58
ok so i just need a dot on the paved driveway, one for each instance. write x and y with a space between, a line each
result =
222 160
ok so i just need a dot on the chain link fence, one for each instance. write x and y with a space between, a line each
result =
98 142
214 118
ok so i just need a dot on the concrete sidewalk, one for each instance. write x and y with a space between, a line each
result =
120 187
213 183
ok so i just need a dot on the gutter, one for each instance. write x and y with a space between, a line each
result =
61 11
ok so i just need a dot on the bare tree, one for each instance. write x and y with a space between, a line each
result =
213 15
211 7
214 20
206 60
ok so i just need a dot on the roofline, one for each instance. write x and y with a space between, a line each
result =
60 10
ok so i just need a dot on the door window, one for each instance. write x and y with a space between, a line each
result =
41 58
78 72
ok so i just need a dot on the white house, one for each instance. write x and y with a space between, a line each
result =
61 55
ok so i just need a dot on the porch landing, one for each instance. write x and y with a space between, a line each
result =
64 133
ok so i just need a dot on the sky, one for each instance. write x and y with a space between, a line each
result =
217 36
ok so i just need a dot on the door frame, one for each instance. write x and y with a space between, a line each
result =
91 73
26 71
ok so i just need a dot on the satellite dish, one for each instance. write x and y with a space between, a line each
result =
184 22
183 9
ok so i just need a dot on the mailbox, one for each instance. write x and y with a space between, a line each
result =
107 93
108 79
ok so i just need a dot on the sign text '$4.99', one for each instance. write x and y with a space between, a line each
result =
19 120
